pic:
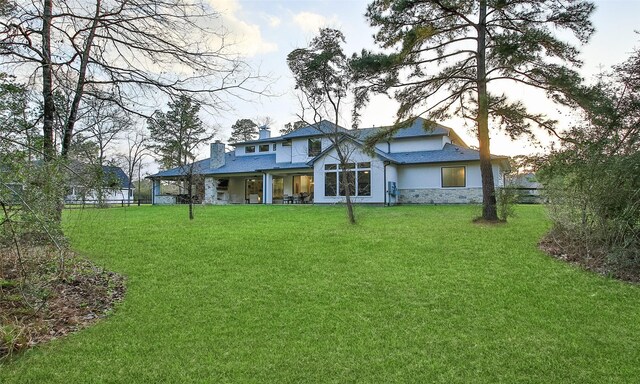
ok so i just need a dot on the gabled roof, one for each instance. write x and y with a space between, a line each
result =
418 128
322 128
449 153
232 164
116 172
376 151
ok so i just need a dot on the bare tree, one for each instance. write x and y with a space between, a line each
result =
323 78
136 150
125 51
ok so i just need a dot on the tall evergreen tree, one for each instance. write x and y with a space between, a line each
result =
175 135
445 56
243 130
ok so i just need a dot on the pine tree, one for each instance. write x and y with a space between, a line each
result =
175 135
445 56
243 130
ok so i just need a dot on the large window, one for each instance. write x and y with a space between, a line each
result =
263 148
453 177
250 149
315 147
358 179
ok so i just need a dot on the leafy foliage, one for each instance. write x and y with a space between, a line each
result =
442 58
593 181
176 134
243 130
323 78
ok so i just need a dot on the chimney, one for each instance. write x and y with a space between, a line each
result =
265 133
217 155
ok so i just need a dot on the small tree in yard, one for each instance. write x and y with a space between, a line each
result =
446 57
135 152
593 181
175 136
323 78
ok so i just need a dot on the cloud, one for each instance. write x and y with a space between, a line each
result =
272 20
311 22
243 37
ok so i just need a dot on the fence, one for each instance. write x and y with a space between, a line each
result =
107 202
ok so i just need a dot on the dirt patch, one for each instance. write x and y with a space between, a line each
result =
598 260
38 303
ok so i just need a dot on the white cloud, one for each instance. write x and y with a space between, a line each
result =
311 22
273 20
244 38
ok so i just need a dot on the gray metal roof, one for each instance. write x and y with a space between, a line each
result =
419 127
450 153
233 164
322 128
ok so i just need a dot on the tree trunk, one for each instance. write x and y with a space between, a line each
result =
79 91
190 194
344 181
489 209
47 84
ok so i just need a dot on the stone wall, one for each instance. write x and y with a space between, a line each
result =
210 190
440 196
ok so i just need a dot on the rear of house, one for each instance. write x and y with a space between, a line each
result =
423 163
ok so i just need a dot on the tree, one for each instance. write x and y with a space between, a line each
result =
446 56
323 78
243 130
126 51
592 180
292 126
100 126
136 151
175 136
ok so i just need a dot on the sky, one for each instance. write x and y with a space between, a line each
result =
265 31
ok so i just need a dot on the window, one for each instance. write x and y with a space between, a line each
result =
453 177
286 143
263 148
330 183
274 146
250 149
364 183
358 179
315 147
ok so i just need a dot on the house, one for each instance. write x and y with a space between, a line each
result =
414 166
115 185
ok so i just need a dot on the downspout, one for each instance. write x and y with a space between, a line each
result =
386 191
264 188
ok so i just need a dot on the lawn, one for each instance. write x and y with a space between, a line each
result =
294 294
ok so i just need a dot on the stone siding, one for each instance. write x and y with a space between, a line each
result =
440 196
210 190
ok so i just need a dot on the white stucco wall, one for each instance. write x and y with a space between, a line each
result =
240 149
415 144
300 149
283 153
429 176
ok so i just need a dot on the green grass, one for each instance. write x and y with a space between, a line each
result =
294 294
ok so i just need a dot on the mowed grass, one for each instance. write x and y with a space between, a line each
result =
292 294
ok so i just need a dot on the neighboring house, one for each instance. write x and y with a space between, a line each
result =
116 186
528 187
414 166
